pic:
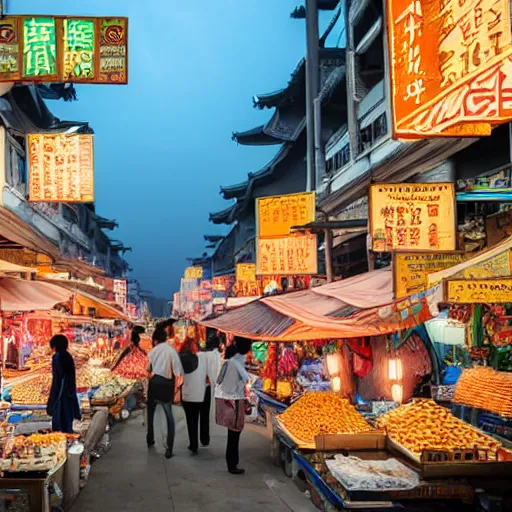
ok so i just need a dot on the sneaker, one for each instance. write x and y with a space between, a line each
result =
237 471
150 443
193 452
168 453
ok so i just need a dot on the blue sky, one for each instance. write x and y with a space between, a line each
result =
163 143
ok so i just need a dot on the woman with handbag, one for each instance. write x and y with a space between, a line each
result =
230 394
62 404
164 385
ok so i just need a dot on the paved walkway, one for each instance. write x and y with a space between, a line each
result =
131 478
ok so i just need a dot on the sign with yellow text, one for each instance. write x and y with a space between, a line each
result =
194 273
412 217
450 64
64 49
61 168
411 270
479 291
295 254
246 272
498 266
277 214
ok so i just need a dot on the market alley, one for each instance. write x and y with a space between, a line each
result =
129 478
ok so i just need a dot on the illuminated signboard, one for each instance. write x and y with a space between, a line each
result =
246 273
288 255
61 168
120 292
277 214
479 291
412 217
450 63
411 270
194 273
64 49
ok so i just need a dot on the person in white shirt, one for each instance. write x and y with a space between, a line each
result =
197 370
165 365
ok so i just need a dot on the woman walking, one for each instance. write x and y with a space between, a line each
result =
62 404
165 365
230 394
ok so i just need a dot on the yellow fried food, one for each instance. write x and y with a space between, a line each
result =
424 425
318 413
33 392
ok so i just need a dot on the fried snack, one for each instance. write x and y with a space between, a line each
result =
485 388
32 392
423 425
319 413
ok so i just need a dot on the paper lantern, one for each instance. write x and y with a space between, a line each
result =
397 393
336 384
395 369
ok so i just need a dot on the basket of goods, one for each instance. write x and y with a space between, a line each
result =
134 366
485 388
321 413
270 368
428 434
287 369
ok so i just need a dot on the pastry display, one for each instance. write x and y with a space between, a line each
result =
423 425
318 413
485 388
32 392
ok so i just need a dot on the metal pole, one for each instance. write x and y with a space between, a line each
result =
351 109
319 148
328 255
312 87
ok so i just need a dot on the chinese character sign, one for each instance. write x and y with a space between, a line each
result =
479 291
449 66
61 168
246 273
120 292
288 255
411 270
194 273
64 49
412 217
277 214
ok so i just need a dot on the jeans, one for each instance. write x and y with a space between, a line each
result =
167 407
204 417
232 457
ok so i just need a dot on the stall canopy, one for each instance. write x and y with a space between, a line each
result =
359 306
6 267
17 295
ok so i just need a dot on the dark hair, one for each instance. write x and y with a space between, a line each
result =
243 345
135 338
212 343
159 336
59 343
230 351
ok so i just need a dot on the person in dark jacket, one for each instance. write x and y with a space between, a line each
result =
62 404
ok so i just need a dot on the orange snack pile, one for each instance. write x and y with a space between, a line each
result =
485 388
424 425
318 413
33 392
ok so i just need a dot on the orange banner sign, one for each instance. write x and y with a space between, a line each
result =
449 66
290 255
246 273
277 214
61 168
412 217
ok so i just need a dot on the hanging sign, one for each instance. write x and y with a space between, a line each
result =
413 217
120 292
61 168
289 255
246 273
64 49
411 270
479 291
277 214
194 273
450 64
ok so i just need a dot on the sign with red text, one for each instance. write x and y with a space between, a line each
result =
61 168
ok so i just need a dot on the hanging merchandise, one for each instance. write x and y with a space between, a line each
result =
270 368
287 369
361 357
259 351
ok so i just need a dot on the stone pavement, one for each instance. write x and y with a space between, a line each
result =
131 478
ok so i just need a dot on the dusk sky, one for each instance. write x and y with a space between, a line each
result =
163 143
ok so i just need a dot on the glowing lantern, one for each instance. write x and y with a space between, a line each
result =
395 369
336 384
333 363
397 393
100 342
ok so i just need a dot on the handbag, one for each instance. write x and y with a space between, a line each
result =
161 389
230 414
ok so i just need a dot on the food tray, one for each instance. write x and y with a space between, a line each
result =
429 470
111 400
301 445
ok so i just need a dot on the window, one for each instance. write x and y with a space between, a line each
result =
380 127
365 139
372 133
339 160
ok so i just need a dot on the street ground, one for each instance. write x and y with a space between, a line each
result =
131 478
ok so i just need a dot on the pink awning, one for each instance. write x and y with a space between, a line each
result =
18 295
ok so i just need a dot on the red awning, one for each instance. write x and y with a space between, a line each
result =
17 295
